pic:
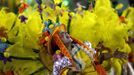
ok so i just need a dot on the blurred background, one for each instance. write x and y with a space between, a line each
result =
14 4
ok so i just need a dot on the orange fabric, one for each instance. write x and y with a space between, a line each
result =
60 44
79 42
23 7
100 69
62 47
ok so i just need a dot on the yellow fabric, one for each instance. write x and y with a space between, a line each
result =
49 13
7 19
65 72
57 1
86 62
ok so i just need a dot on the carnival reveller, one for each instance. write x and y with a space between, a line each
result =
78 57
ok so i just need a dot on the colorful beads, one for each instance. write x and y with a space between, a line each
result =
46 38
58 51
51 26
6 54
3 39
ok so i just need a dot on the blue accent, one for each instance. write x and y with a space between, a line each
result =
76 52
75 59
3 46
47 23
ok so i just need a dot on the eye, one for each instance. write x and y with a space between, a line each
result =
67 37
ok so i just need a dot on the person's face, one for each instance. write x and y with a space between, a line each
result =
65 37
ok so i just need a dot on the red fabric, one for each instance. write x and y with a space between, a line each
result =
9 73
100 69
122 18
23 7
42 40
46 33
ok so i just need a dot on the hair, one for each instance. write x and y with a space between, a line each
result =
131 56
3 32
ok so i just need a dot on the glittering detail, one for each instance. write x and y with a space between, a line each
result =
60 64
